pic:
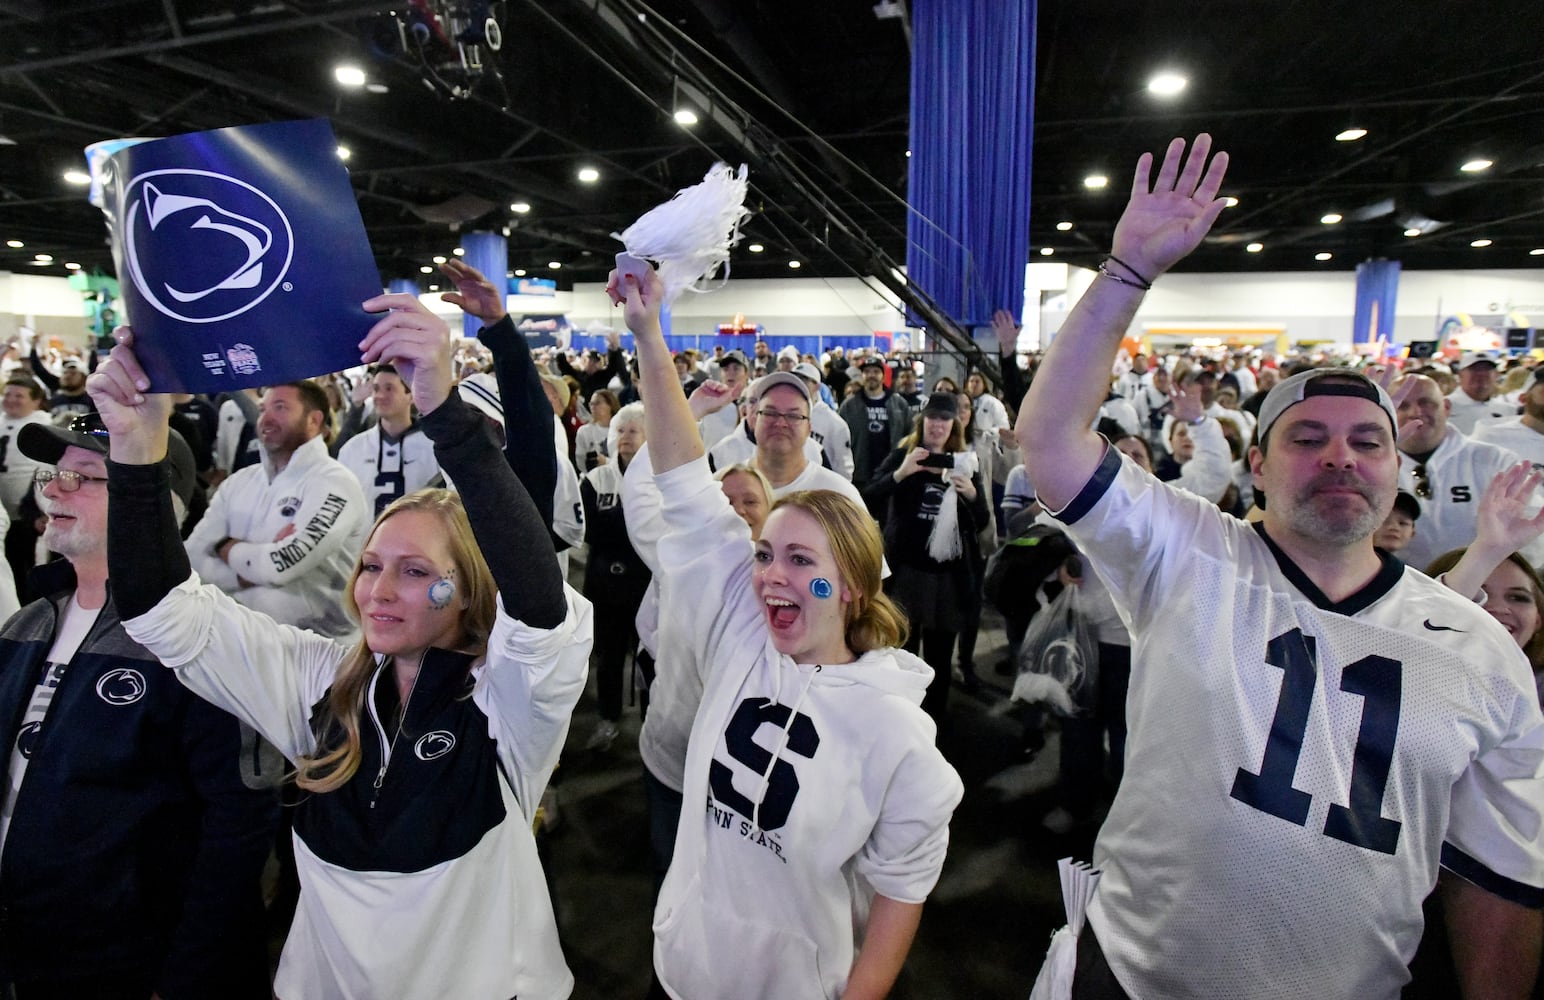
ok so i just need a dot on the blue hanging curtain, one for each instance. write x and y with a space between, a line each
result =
972 130
489 253
1377 289
407 285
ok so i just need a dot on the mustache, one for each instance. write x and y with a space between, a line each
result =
1337 480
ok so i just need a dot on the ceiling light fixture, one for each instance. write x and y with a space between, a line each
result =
1095 182
520 207
1536 252
1047 251
1412 232
1230 201
1166 84
349 76
44 258
1064 227
1323 256
1254 248
908 154
15 244
555 265
685 116
70 265
795 264
426 269
519 272
1351 135
1330 218
344 152
77 177
1479 244
589 175
755 248
377 88
459 251
439 260
1475 166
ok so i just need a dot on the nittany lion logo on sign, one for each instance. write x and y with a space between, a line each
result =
435 744
123 686
203 247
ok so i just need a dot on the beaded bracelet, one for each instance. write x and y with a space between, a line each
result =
1104 269
1141 282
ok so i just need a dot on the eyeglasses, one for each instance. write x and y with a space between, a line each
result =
791 419
1422 484
69 481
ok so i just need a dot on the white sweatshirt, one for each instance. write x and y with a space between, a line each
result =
819 784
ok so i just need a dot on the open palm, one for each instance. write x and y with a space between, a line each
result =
1168 217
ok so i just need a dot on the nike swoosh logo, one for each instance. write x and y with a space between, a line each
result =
1440 628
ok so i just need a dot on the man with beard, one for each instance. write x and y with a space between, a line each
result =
735 374
906 388
71 397
281 536
1522 435
877 418
1315 728
1446 471
134 828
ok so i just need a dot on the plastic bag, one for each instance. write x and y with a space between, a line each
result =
1059 658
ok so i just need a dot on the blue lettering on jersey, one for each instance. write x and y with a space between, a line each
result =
1378 680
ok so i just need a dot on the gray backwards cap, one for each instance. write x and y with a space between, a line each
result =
1322 382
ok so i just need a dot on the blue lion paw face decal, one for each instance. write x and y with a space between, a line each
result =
202 246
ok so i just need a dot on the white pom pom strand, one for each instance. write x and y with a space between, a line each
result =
689 237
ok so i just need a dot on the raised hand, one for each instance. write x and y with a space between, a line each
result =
1187 405
640 304
709 397
475 294
135 417
1167 218
1503 524
416 342
1007 331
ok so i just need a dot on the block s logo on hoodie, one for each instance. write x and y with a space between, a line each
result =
779 776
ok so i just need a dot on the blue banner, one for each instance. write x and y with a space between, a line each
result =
1377 293
242 256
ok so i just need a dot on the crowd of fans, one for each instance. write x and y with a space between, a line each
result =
782 544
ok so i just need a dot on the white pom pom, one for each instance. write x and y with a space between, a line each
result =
689 237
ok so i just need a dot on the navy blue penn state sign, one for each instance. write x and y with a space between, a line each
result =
241 254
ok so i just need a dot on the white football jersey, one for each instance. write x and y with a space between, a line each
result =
388 469
1296 768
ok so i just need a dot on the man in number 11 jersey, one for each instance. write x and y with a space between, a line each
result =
1315 729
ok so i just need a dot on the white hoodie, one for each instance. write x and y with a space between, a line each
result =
819 785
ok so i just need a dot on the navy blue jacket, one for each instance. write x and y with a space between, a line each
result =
142 825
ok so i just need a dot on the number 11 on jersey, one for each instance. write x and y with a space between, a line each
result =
1377 679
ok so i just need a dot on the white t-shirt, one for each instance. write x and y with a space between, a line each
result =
1296 768
73 628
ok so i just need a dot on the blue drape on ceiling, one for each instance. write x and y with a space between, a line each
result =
972 129
1377 290
489 253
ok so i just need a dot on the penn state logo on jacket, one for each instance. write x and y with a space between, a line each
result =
123 686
